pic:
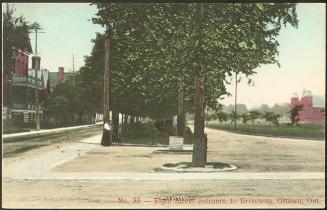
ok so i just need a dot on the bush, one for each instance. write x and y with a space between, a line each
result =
143 133
10 127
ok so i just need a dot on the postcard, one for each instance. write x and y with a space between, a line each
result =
163 105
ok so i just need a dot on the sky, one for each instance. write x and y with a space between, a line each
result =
302 57
68 29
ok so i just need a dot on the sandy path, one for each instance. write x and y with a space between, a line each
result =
249 153
90 176
105 193
39 167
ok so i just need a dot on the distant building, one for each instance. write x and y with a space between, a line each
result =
311 112
59 77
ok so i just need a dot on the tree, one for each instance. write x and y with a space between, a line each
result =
264 108
181 113
254 114
280 109
245 118
222 116
106 140
241 108
294 113
63 103
15 30
200 41
271 117
234 117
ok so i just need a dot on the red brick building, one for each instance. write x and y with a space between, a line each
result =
309 113
20 87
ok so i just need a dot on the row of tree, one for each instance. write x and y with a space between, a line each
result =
280 109
252 116
154 48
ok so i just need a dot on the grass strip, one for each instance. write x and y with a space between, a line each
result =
17 145
305 131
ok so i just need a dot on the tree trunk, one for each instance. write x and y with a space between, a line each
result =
180 111
115 125
124 126
80 118
132 119
122 119
198 157
106 140
169 126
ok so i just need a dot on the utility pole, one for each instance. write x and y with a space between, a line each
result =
73 69
36 64
73 62
235 106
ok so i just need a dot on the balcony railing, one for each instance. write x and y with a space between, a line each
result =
20 80
25 106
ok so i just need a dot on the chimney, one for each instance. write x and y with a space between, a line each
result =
294 100
36 62
61 74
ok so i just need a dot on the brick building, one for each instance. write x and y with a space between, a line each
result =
20 86
59 77
310 112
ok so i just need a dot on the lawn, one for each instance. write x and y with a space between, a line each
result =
146 133
308 131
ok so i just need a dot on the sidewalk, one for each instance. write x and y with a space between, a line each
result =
42 168
47 130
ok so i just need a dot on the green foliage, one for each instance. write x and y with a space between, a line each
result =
281 109
254 114
221 116
143 133
245 118
10 127
155 44
271 117
294 114
315 131
234 116
15 35
64 102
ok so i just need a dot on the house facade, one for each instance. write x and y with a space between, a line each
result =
310 113
20 87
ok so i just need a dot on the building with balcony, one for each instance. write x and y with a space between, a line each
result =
22 87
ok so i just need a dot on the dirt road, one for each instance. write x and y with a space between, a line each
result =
83 179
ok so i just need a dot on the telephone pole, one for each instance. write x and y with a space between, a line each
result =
73 62
36 65
235 105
